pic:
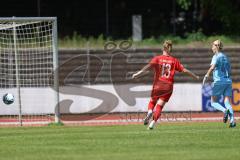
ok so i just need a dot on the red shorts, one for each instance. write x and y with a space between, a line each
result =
162 90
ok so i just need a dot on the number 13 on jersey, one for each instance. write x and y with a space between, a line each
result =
165 70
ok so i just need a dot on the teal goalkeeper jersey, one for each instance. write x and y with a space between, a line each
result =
222 71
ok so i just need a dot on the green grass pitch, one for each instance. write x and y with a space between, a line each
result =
178 141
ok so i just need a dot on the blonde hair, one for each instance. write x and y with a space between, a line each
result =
219 44
167 44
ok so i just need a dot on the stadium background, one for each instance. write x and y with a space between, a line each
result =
114 19
93 80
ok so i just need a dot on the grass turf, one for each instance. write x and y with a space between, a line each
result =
168 141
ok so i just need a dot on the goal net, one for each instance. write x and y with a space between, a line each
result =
28 61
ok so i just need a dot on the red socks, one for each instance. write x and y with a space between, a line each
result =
158 109
157 112
151 105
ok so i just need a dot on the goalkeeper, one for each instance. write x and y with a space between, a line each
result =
222 82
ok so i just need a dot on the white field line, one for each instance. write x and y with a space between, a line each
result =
120 121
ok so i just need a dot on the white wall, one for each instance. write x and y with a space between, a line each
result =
185 97
101 98
33 100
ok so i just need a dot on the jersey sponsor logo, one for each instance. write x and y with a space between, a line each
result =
165 61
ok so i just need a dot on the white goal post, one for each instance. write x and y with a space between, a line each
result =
28 66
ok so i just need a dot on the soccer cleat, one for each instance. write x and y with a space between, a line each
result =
225 117
150 128
146 120
232 125
151 125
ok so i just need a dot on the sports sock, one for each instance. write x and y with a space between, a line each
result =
229 107
151 105
151 125
149 112
157 112
218 106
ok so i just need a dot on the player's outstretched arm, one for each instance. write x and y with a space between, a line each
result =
208 73
190 73
143 71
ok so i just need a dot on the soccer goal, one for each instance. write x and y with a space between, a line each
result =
28 69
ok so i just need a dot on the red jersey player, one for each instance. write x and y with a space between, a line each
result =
164 67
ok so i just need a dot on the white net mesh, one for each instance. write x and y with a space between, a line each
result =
26 68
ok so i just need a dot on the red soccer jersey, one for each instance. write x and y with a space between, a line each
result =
165 67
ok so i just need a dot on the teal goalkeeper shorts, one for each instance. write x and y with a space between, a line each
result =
222 89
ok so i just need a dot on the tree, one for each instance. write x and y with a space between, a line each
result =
215 17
